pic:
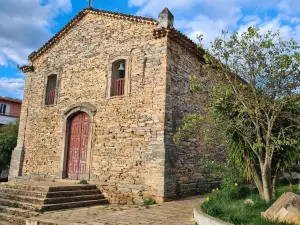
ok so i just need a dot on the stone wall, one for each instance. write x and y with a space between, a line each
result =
128 132
184 161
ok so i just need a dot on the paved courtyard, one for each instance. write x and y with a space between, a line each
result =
169 213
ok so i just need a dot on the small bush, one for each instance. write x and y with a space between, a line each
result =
236 192
14 205
148 202
83 181
211 208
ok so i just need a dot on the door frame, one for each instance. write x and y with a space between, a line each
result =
67 117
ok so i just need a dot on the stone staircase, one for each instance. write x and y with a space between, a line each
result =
19 201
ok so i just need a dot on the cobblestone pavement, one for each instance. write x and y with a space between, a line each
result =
178 212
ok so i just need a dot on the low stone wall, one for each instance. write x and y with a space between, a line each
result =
203 219
198 188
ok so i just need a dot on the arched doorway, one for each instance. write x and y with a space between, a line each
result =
79 131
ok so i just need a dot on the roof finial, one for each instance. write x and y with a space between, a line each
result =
90 3
165 19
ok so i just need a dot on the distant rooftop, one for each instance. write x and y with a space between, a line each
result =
4 98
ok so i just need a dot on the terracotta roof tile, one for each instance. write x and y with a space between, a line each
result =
25 69
181 39
4 98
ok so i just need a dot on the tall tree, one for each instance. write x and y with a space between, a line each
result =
252 88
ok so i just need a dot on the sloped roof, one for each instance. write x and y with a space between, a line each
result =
8 99
157 33
181 39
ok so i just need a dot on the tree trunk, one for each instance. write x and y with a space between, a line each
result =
267 165
298 174
299 181
291 181
274 179
266 180
291 186
257 181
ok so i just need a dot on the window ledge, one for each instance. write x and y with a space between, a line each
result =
49 106
116 97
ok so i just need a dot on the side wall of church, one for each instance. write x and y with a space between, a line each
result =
184 162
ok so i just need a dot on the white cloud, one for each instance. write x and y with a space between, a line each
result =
153 7
137 2
202 25
25 25
210 17
3 60
12 86
289 6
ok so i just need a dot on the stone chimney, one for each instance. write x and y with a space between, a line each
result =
165 19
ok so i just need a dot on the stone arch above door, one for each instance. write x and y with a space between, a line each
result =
86 107
74 109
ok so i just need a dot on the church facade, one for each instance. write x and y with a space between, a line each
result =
102 101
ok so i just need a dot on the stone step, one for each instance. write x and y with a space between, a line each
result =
24 187
72 193
23 192
20 205
12 219
18 212
21 198
69 205
72 188
5 223
73 199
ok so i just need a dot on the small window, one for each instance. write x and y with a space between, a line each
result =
51 90
118 78
4 108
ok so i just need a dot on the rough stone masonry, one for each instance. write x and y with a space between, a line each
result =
130 150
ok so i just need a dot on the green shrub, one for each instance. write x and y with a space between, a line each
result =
211 208
83 181
8 141
14 205
234 192
235 219
149 201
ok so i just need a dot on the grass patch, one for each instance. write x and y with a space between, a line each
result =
230 207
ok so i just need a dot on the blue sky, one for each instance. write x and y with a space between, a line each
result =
25 25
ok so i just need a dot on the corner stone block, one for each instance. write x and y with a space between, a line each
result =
16 164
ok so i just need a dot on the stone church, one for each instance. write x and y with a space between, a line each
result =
102 101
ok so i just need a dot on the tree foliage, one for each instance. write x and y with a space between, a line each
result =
8 141
252 97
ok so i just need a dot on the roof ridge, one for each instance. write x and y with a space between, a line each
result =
181 39
122 14
78 17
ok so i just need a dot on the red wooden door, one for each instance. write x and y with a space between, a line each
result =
77 149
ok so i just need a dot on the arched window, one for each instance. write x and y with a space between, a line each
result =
51 89
118 78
